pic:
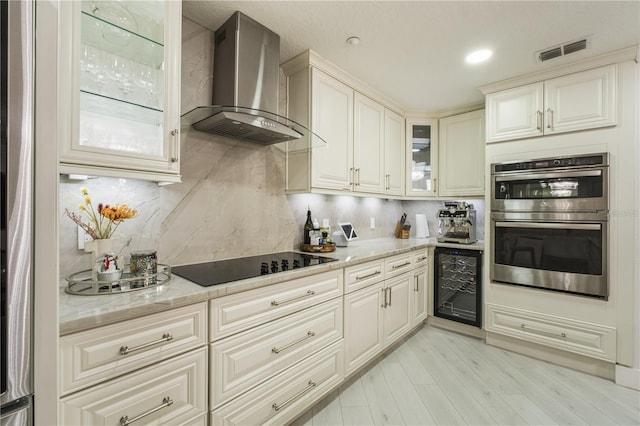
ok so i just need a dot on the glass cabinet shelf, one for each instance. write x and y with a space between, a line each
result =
142 18
119 41
117 108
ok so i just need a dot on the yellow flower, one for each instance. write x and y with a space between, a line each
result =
102 221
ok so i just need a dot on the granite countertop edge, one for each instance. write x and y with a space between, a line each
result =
78 313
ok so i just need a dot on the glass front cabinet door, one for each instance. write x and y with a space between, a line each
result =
119 88
422 155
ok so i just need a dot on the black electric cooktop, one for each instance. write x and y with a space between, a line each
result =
224 271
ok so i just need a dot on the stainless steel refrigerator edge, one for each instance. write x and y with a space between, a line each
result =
17 65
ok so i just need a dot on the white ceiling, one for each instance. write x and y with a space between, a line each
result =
413 51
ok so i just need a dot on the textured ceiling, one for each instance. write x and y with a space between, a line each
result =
413 51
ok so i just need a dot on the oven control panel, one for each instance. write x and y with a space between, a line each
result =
553 163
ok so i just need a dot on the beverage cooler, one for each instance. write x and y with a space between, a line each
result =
458 285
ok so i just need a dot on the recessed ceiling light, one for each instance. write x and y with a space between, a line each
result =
478 56
353 41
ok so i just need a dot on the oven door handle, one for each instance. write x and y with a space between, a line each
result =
539 225
515 176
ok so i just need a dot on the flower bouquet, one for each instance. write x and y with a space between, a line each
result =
101 224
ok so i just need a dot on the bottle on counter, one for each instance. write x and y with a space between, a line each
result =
308 227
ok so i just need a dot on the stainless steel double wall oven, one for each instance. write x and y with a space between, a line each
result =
549 224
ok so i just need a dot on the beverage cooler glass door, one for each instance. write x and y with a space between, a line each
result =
458 285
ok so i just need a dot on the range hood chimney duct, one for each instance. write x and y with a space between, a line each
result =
246 72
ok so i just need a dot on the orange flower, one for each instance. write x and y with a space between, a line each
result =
103 221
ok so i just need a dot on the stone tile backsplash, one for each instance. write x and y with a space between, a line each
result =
231 201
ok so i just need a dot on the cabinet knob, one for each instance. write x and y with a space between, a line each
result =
174 159
174 132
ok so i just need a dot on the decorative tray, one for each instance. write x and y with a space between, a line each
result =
82 283
319 248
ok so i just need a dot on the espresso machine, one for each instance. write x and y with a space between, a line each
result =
457 223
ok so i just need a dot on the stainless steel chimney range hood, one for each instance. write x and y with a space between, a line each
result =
245 89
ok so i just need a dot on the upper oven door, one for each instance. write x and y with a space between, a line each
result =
576 190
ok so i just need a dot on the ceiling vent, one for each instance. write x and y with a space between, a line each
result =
563 49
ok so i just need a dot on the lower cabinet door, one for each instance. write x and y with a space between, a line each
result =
363 338
397 312
284 397
173 392
419 296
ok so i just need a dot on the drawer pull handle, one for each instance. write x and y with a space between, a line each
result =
309 335
420 259
401 266
563 335
277 303
125 350
310 386
166 401
364 277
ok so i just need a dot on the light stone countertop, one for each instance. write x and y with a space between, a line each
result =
77 313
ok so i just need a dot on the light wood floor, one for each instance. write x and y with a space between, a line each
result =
440 377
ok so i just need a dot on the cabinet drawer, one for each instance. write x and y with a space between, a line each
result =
360 276
92 356
419 258
286 396
398 264
242 361
579 337
173 392
241 311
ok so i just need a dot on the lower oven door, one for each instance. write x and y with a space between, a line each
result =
568 256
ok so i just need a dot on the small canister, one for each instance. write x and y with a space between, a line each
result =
144 263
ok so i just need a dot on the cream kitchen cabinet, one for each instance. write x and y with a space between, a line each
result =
421 152
420 261
368 145
240 311
259 340
363 325
579 101
579 337
96 355
285 396
171 392
120 66
461 155
246 359
394 158
382 312
364 139
152 368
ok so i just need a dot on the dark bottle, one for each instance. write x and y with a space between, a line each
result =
308 226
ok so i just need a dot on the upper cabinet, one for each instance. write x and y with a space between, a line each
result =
368 147
364 147
579 101
422 158
461 155
394 157
120 73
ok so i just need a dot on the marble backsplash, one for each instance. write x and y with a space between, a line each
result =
231 201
